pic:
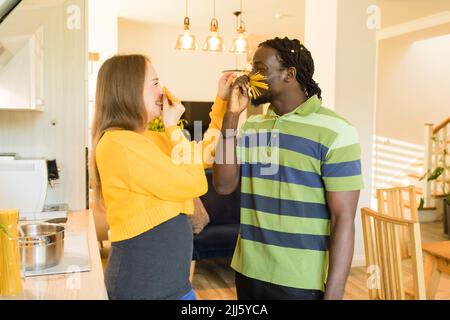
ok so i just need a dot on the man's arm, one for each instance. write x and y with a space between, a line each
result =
342 207
226 172
226 175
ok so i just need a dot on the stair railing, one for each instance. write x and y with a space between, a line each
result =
437 164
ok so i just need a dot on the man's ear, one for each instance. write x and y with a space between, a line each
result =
291 74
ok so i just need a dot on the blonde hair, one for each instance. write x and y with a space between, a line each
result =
119 104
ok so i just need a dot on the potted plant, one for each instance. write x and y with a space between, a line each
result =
445 195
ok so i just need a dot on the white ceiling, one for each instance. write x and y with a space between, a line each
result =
261 17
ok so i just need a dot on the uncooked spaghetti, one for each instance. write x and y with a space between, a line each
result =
257 83
10 278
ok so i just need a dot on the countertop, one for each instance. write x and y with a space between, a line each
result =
74 286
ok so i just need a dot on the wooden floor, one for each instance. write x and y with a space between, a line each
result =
214 279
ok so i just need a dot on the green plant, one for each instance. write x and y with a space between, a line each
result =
158 125
431 176
436 173
3 229
422 204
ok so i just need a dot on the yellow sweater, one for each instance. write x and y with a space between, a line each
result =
142 186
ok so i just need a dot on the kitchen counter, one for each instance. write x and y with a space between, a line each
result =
74 286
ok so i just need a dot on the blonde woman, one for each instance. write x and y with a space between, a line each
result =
147 195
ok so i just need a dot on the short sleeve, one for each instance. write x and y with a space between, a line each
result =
341 170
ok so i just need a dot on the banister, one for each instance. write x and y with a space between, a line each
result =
441 126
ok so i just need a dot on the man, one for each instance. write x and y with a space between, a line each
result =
297 221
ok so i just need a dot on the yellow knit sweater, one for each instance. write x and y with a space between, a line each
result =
142 186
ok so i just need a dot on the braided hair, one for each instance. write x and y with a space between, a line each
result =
294 54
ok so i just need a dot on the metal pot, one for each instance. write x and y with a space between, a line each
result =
42 245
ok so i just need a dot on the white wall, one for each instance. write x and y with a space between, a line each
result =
103 15
355 92
32 134
413 86
320 39
103 38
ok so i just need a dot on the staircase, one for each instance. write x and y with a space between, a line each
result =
399 163
437 156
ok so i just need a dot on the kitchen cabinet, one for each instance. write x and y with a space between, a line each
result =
21 73
59 131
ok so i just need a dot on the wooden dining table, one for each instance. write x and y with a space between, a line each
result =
436 257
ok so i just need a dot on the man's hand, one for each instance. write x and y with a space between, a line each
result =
225 84
240 98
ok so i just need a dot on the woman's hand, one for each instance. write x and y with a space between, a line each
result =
225 85
172 112
240 97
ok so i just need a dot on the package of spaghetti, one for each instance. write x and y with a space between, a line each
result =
10 278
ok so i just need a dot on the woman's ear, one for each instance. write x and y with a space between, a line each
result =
291 74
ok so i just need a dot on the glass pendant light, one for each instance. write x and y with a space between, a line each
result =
240 42
186 41
214 42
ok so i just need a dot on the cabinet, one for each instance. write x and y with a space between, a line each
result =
21 75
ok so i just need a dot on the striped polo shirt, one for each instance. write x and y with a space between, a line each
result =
287 164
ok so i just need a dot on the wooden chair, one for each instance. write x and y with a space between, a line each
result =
399 202
383 256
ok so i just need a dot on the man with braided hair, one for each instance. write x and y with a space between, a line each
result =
297 222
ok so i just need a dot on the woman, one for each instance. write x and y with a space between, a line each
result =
146 194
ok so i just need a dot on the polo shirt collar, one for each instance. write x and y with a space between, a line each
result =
312 105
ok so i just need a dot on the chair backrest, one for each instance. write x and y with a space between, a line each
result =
399 202
383 255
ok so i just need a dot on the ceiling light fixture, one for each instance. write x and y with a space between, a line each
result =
240 42
187 40
214 42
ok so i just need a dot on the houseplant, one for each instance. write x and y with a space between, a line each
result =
158 125
445 193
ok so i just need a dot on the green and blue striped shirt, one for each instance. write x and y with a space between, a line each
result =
288 163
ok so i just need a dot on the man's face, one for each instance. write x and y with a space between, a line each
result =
266 62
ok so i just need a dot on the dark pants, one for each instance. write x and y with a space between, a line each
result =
252 289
